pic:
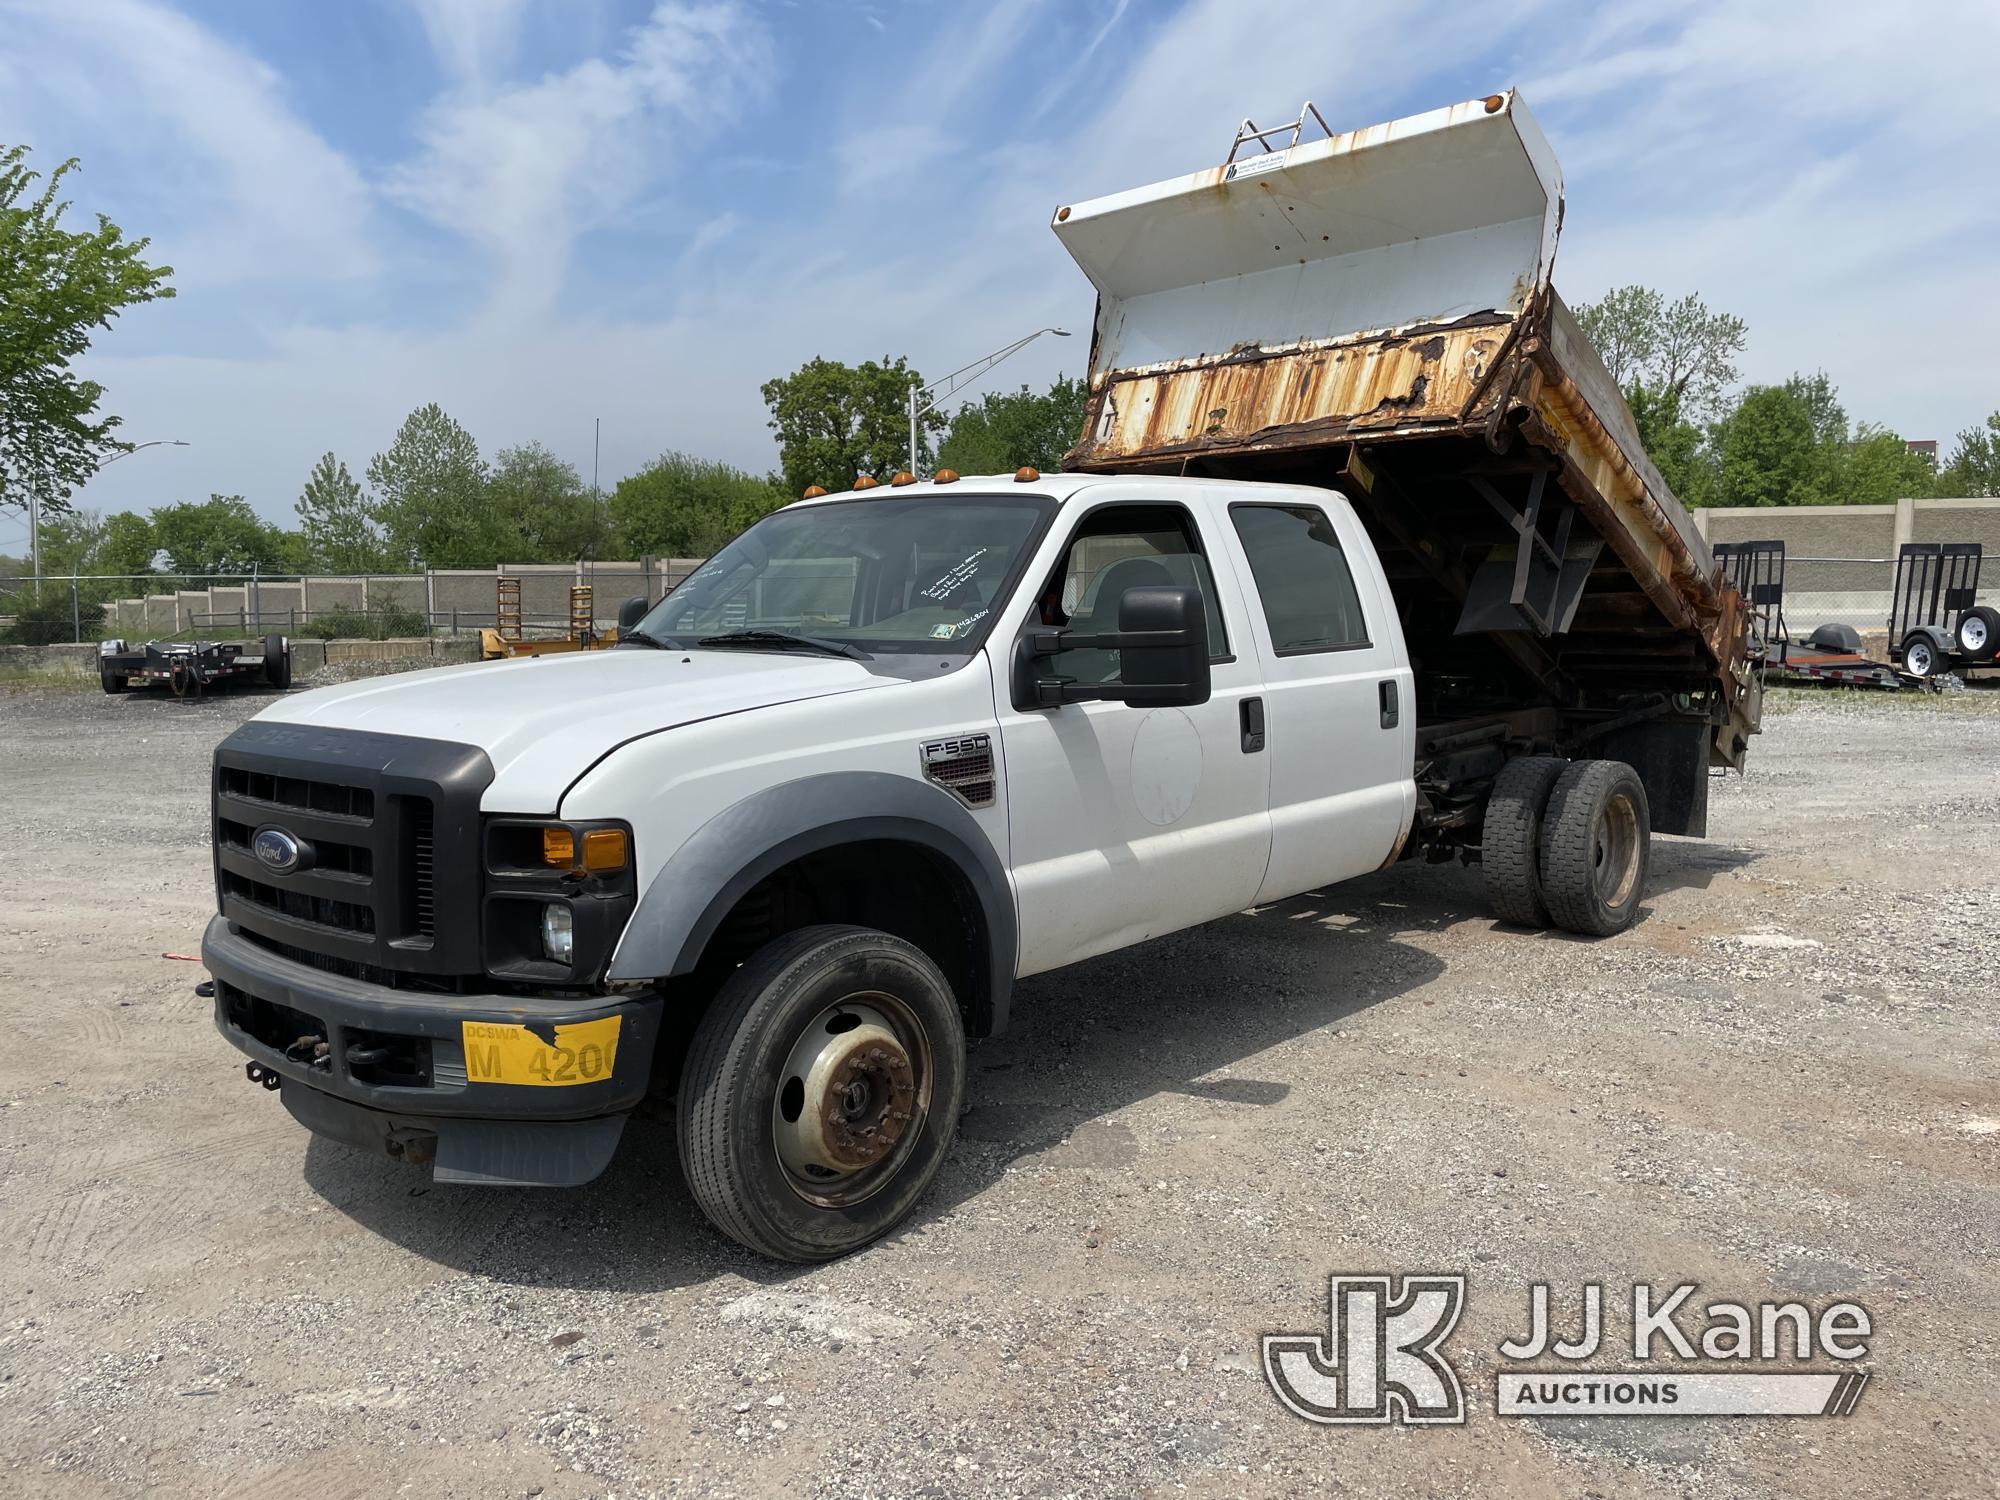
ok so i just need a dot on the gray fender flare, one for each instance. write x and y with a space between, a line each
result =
694 890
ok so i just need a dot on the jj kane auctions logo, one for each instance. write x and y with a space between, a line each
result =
1380 1358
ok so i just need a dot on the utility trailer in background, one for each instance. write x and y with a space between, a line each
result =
1829 656
192 667
1373 312
1936 622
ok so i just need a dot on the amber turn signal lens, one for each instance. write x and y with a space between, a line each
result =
558 848
604 849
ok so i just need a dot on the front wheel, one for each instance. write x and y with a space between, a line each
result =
821 1092
1920 657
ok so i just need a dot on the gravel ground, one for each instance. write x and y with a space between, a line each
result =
1781 1083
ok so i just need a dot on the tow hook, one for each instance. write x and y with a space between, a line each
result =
258 1073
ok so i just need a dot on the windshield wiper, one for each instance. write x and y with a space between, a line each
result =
644 639
784 638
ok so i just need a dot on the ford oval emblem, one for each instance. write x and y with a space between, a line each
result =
277 850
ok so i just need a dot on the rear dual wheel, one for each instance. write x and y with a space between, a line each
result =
1567 844
821 1092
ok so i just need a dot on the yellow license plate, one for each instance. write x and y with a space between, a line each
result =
500 1052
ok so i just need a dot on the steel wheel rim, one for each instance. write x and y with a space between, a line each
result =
1972 634
1614 852
851 1099
1920 659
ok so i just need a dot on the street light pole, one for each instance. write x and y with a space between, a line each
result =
925 398
35 508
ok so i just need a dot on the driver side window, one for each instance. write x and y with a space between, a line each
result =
1120 547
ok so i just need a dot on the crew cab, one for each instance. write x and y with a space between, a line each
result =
883 755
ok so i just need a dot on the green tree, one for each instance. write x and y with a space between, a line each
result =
1009 428
1974 468
1768 452
338 529
129 545
1681 350
547 512
1876 467
57 287
680 506
218 535
430 496
836 422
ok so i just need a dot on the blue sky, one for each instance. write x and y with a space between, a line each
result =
541 212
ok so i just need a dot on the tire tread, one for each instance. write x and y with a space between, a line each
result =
1509 854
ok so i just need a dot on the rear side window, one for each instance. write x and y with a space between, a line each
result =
1302 577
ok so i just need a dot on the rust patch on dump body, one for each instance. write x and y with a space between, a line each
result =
1393 381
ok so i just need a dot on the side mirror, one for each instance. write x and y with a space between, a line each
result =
1162 646
1163 661
631 612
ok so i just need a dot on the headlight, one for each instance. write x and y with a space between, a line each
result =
558 931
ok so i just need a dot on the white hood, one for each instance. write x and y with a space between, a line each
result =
543 721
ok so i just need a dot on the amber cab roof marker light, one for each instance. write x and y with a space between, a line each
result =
1493 103
902 477
813 492
866 482
1027 474
945 476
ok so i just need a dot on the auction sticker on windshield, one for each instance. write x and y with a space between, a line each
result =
577 1052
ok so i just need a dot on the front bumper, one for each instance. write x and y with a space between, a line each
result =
386 1069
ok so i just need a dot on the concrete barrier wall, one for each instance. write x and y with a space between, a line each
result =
1840 560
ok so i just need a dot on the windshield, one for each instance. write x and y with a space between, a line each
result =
922 574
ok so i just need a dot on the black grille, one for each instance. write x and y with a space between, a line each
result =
321 911
392 881
328 798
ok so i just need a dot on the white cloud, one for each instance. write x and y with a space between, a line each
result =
250 191
473 39
523 170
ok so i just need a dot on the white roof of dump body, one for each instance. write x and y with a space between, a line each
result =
1419 221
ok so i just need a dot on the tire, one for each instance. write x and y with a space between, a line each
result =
1921 657
1510 848
114 682
277 661
1596 848
1979 633
745 1131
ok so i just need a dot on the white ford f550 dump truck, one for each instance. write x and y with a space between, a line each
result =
1410 588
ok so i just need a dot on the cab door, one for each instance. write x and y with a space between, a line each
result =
1128 822
1339 691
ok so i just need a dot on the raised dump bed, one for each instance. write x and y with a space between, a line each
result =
1372 311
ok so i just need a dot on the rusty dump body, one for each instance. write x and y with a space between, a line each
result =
1373 313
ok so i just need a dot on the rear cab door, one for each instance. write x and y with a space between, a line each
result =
1338 697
